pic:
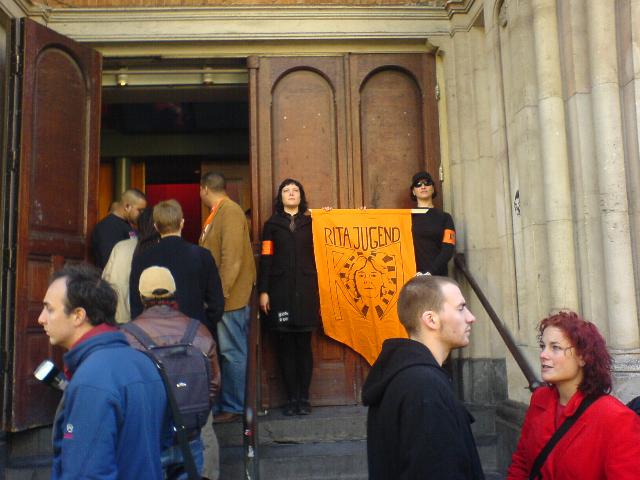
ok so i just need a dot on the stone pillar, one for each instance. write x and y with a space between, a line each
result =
121 175
618 269
555 159
584 168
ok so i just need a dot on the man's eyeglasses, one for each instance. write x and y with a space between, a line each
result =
422 184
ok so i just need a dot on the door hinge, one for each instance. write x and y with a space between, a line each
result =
437 92
17 64
441 173
13 159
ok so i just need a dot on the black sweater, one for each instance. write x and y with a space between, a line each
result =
432 240
416 429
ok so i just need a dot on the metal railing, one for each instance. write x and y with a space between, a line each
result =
250 417
503 330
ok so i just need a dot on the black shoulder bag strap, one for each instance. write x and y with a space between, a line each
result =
139 334
181 433
559 433
190 332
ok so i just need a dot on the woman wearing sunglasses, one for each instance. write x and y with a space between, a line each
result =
434 235
604 441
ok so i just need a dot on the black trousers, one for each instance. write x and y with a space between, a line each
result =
296 362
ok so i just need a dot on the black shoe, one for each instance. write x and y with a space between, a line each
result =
304 407
290 408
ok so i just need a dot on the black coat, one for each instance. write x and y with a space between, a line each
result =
107 232
416 429
288 273
198 286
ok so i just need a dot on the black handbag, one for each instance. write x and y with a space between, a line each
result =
559 433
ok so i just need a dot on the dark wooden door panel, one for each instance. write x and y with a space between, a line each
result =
57 198
301 117
395 122
301 129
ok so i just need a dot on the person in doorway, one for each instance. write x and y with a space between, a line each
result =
434 235
118 268
604 442
226 235
415 426
119 225
199 293
288 288
109 382
166 325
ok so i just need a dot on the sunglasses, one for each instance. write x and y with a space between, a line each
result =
422 184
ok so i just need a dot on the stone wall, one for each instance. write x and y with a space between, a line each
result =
542 134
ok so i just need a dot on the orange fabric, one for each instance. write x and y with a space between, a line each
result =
363 258
267 247
449 236
207 222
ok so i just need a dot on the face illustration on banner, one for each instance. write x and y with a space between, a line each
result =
368 279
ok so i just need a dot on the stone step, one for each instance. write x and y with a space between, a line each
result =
341 460
325 424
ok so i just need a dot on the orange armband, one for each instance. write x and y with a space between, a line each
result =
267 247
449 236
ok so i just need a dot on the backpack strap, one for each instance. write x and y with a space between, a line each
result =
181 431
139 334
190 332
558 434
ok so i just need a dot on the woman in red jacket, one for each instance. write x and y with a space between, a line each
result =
604 443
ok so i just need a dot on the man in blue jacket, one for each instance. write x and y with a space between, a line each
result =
113 416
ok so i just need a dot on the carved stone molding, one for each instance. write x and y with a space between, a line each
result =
458 6
248 23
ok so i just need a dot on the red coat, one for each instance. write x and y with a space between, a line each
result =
603 444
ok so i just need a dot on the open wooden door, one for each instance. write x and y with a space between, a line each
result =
50 202
353 129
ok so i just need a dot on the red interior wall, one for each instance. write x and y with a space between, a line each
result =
188 195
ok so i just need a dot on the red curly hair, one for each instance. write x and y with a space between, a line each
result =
589 344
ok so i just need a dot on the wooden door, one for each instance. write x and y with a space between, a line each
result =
54 181
353 129
301 118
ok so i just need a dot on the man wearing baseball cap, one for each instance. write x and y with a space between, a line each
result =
166 325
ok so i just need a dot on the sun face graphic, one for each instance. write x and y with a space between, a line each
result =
369 282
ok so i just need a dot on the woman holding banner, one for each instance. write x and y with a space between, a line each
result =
434 235
288 288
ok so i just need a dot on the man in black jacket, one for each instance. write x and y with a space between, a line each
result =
415 426
118 225
198 287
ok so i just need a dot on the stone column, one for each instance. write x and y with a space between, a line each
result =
555 159
121 176
618 269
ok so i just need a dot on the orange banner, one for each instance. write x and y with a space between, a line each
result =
363 257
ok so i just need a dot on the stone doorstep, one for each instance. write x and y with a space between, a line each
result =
308 461
325 424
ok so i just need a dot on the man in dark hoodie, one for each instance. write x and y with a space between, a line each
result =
416 429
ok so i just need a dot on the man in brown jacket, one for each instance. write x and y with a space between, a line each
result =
165 325
226 235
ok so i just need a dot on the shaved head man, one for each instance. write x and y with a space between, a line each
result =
119 225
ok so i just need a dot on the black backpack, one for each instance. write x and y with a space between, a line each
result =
186 371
